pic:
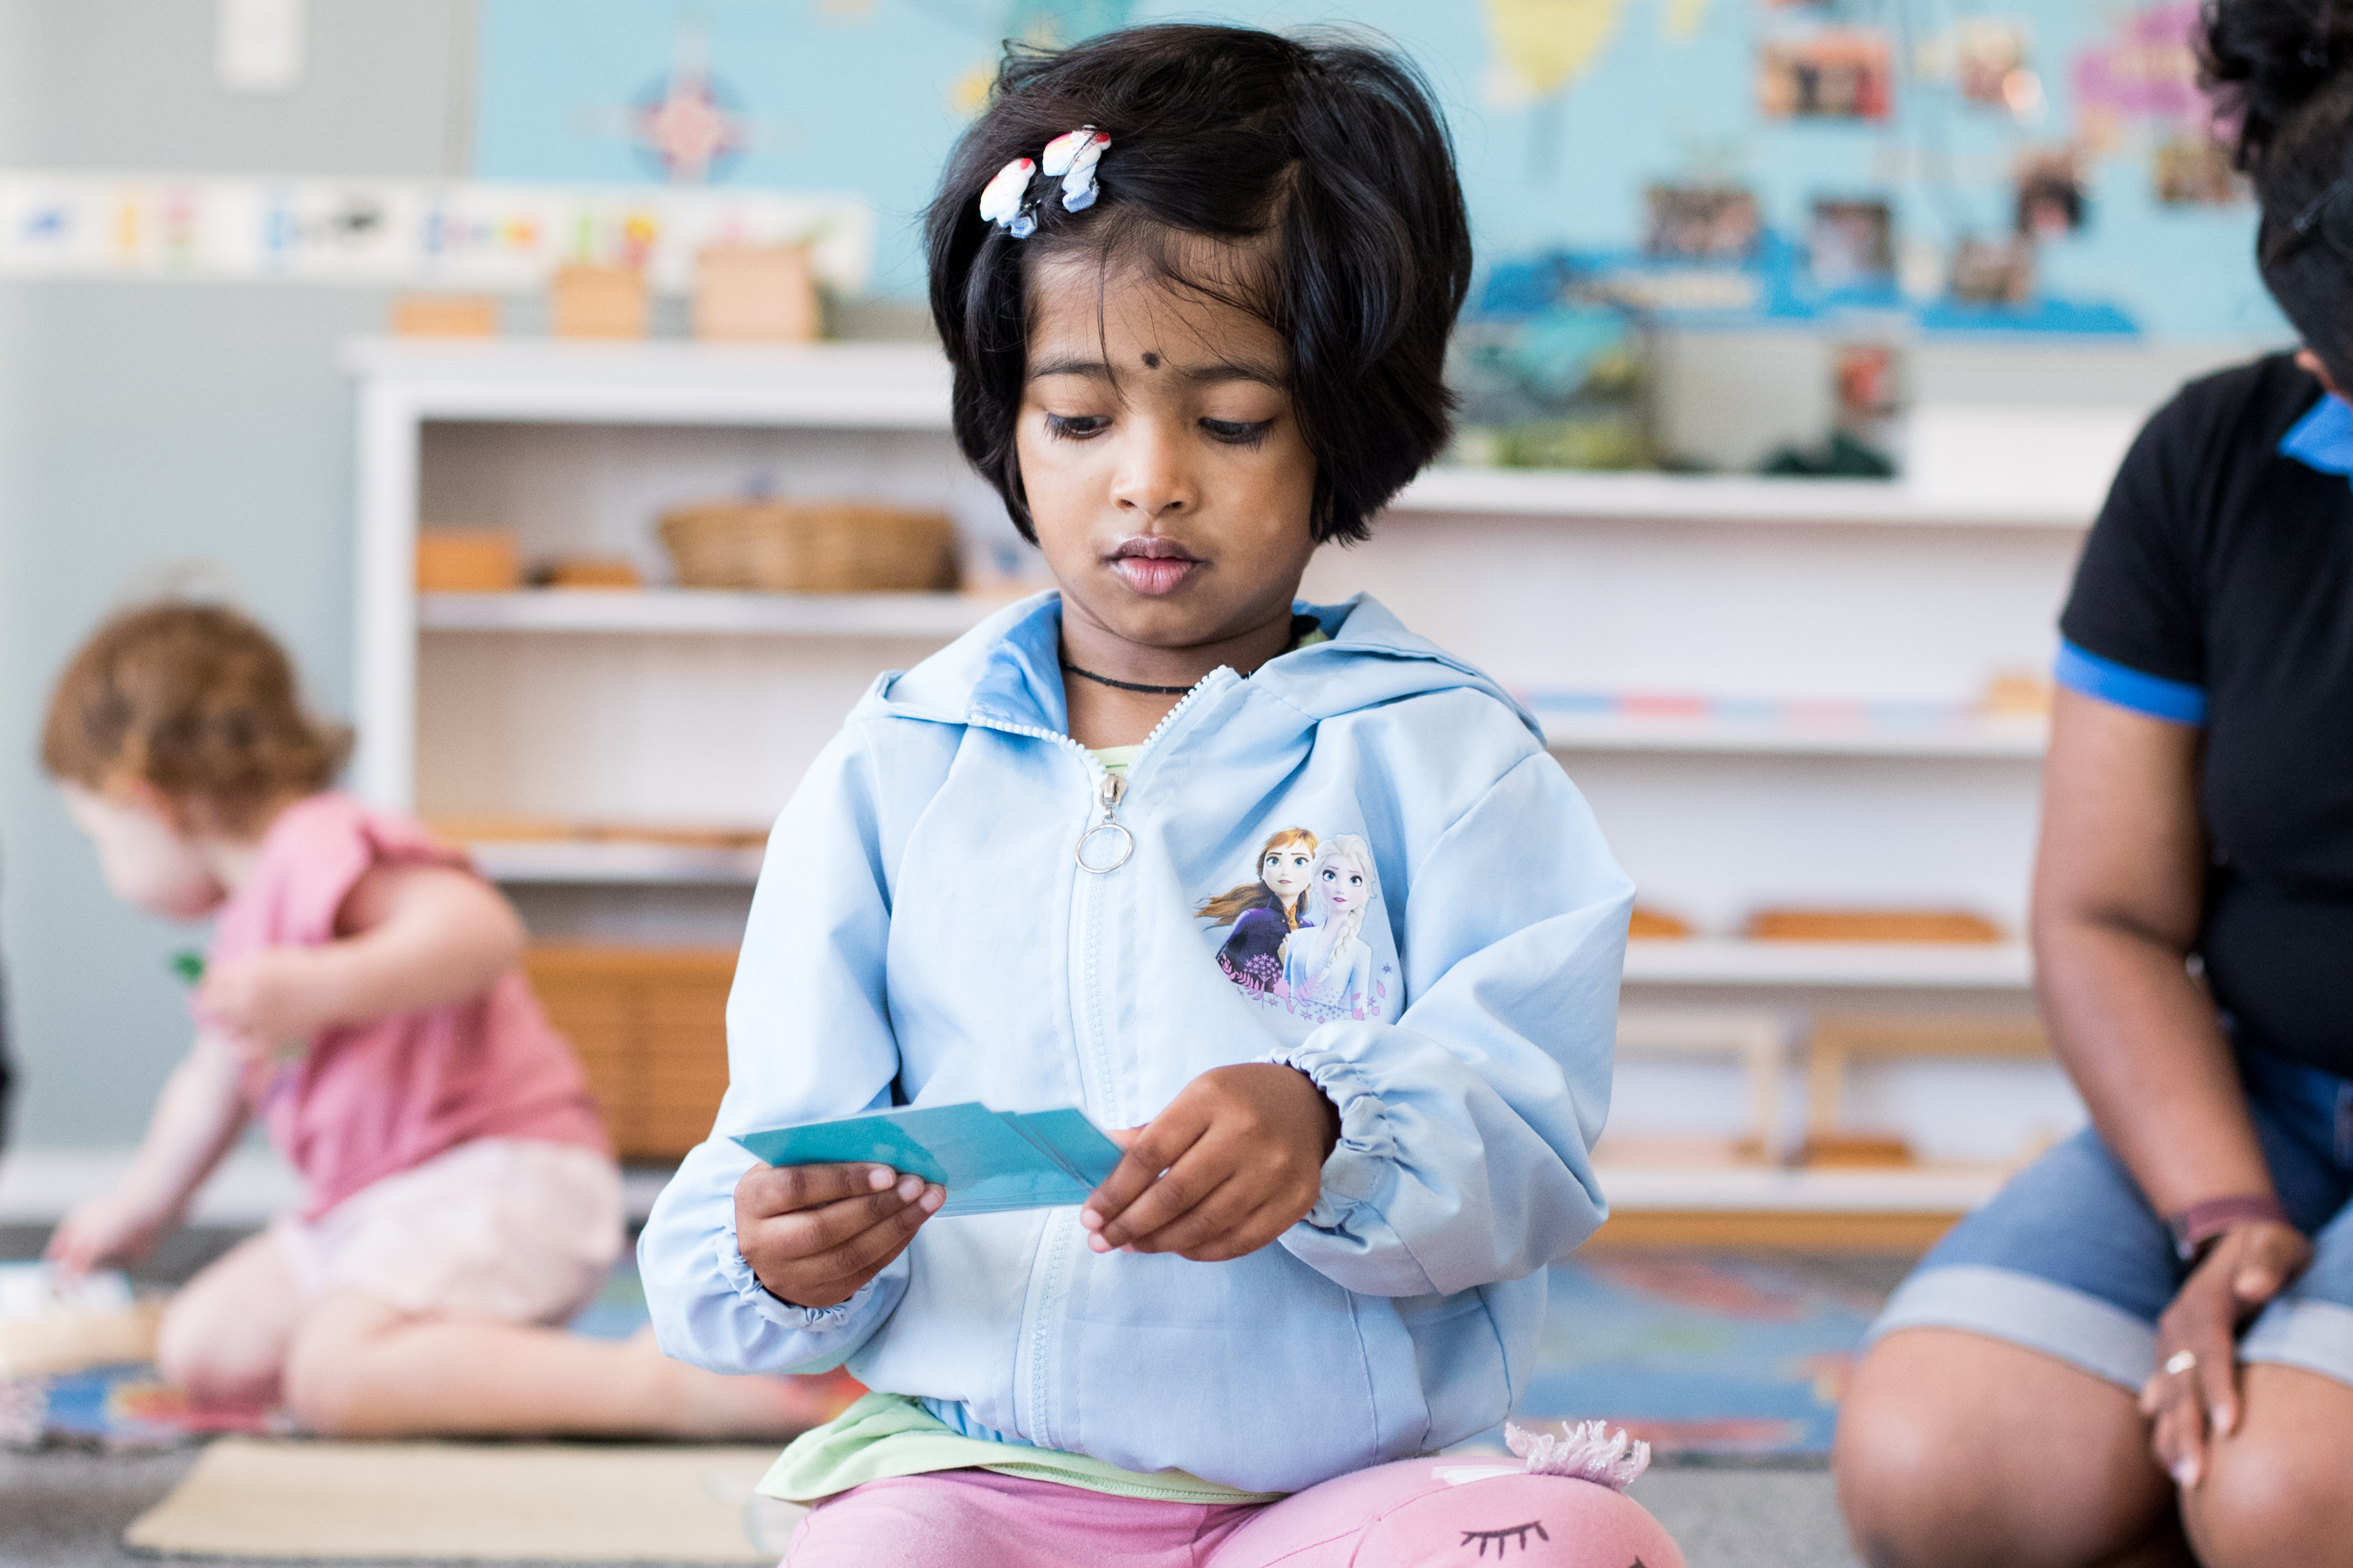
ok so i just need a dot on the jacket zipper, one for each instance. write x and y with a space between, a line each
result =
1063 1235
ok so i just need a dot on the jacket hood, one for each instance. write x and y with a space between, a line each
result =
1008 671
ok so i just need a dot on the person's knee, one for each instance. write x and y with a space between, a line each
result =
210 1361
2273 1496
1908 1487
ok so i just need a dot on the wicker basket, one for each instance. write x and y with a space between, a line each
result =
810 547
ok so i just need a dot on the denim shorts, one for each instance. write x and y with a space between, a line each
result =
2070 1259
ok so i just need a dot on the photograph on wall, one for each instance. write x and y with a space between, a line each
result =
1700 222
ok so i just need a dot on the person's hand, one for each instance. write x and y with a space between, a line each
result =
269 1000
1235 1161
115 1228
2198 1334
815 1234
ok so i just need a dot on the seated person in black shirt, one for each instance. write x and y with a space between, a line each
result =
2143 1348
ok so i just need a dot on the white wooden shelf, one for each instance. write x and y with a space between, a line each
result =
1957 738
1634 1188
612 863
693 610
1963 966
1723 499
904 386
832 387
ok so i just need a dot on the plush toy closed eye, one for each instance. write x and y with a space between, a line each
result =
1564 1506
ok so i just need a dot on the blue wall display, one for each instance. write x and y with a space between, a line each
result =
2043 167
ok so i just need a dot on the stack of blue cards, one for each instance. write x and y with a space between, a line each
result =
989 1161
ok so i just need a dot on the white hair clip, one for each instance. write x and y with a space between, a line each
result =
1073 156
1003 202
1070 158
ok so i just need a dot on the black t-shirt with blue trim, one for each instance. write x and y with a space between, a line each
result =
2216 590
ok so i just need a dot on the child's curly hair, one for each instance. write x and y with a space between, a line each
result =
197 701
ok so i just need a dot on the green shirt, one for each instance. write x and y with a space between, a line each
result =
886 1435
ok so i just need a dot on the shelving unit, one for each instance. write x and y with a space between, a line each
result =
668 706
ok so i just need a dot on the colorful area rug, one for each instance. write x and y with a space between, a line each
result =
1700 1354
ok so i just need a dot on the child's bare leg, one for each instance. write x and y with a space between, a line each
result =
359 1368
225 1336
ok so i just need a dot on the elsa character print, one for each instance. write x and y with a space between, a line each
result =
1263 913
1326 967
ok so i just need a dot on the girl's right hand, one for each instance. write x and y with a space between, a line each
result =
815 1234
106 1230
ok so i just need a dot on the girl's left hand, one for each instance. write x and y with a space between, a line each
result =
267 999
1235 1161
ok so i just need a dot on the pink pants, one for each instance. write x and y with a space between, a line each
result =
1414 1512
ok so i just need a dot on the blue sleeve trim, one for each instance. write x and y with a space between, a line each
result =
2323 439
2176 701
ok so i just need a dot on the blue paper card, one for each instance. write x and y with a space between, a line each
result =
989 1161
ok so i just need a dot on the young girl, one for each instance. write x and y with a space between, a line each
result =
1196 284
362 996
1263 913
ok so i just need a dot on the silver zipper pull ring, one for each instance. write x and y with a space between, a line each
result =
1096 852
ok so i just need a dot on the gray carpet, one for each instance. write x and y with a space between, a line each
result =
61 1509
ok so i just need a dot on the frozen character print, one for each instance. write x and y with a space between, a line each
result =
1327 968
1263 913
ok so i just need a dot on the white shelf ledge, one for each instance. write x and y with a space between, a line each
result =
1727 498
694 610
839 386
612 862
1968 736
1959 966
1928 1189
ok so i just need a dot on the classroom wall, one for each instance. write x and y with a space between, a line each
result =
148 428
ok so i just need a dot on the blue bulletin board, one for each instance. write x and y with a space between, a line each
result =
2037 166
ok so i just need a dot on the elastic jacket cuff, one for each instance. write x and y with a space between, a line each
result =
784 1314
1361 1163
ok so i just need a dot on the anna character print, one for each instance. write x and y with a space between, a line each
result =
1327 968
1263 913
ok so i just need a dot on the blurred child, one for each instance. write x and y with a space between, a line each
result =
1196 284
363 996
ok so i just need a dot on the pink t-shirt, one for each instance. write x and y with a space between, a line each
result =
371 1100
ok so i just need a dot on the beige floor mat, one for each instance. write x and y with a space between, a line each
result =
471 1501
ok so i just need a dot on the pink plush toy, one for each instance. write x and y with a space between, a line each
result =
1564 1506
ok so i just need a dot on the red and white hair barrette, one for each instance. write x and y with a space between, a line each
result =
1071 157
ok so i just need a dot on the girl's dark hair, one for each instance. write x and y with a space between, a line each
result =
1326 159
2281 73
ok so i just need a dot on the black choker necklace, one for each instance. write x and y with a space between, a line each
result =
1126 685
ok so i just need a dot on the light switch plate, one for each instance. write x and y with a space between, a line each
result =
259 44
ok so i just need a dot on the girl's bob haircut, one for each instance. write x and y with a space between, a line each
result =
1323 164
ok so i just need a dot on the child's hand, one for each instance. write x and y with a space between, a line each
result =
277 997
107 1230
1235 1161
815 1234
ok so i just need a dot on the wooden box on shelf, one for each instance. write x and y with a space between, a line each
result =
598 302
755 294
467 561
444 316
650 1026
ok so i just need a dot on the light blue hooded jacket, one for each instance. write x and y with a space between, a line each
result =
922 934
